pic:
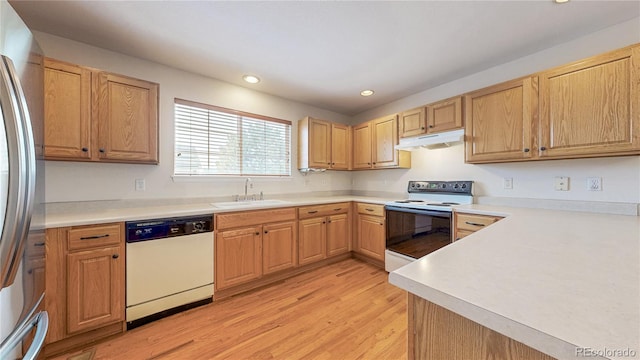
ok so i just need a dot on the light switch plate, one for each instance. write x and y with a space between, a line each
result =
594 184
507 183
562 183
141 185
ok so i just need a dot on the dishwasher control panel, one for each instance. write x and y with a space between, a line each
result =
169 227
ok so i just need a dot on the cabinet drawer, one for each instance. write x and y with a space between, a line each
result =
474 222
306 212
251 218
370 209
462 233
93 236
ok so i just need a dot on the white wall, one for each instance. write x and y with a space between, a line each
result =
76 181
621 175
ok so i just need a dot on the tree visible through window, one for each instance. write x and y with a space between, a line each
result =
210 140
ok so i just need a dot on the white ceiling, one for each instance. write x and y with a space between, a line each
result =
324 53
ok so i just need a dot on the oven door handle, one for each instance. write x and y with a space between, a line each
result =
442 214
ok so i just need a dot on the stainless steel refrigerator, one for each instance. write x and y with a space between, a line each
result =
23 323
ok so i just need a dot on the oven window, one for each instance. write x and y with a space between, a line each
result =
417 235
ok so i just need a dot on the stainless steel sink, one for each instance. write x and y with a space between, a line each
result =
248 204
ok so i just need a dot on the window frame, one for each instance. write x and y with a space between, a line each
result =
209 107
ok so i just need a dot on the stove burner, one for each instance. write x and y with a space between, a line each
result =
408 201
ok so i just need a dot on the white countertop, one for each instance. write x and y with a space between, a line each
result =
105 212
553 280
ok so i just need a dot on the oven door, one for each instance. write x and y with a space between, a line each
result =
416 233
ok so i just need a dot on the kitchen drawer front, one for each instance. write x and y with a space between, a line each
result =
87 237
474 222
370 209
307 212
462 233
251 218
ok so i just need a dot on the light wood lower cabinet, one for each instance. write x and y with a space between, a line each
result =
371 232
85 284
436 333
250 244
467 224
323 232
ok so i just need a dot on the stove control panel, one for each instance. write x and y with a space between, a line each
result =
450 187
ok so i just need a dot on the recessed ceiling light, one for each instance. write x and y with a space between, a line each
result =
366 92
561 1
251 79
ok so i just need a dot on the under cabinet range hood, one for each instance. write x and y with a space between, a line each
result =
432 141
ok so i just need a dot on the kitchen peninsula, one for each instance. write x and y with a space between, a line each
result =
566 284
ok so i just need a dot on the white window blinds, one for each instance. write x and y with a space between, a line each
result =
216 141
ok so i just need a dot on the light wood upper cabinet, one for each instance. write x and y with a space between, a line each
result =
67 111
444 115
433 118
323 145
362 145
591 107
374 145
412 122
499 120
92 115
340 146
127 118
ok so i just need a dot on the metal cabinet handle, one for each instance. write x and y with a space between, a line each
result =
422 128
368 163
266 231
369 209
257 233
338 209
39 244
312 212
526 150
101 150
543 148
430 126
84 149
115 256
324 222
94 237
473 223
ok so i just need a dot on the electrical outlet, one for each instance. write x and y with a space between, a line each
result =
507 183
561 183
141 185
594 184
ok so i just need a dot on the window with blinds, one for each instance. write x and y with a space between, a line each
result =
216 141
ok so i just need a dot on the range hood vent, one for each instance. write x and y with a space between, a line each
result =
432 141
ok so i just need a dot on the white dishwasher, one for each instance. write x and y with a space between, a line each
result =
169 267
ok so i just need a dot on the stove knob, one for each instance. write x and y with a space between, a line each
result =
455 186
444 186
413 185
464 186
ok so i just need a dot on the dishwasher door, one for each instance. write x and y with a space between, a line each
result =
168 272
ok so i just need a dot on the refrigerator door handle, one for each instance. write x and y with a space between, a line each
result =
22 167
41 322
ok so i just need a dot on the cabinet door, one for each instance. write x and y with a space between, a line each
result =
238 256
591 107
362 146
371 236
128 119
340 147
499 122
312 240
385 137
412 122
338 239
444 115
319 143
95 288
278 247
67 111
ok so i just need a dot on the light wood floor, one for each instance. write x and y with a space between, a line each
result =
346 310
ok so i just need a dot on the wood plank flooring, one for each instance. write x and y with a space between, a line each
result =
346 310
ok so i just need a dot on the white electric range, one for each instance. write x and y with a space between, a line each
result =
422 223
